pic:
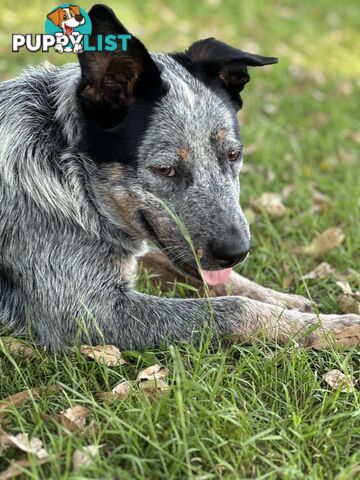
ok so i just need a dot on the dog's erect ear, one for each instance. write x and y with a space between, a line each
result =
75 9
55 16
213 59
110 81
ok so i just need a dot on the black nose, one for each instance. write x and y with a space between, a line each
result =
79 18
231 249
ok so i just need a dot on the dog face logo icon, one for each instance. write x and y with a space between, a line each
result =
67 18
68 23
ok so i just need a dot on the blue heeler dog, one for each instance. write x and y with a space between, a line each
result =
97 159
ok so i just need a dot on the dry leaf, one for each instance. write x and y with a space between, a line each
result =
337 380
154 387
345 286
321 271
323 243
153 373
19 398
85 456
320 200
346 337
74 418
107 354
17 468
15 347
287 191
123 389
349 304
271 203
152 380
22 442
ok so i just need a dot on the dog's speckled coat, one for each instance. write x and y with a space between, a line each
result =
80 153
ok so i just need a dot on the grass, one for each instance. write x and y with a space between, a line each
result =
249 411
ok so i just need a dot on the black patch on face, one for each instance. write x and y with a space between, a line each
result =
119 143
116 93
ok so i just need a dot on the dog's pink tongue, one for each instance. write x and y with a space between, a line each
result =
215 277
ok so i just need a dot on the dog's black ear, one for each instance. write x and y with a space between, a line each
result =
110 80
215 60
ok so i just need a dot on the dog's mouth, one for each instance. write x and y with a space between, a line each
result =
68 30
211 277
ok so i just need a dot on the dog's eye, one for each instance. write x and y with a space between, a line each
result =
66 17
233 155
164 171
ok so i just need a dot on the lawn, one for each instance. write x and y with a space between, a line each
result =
247 412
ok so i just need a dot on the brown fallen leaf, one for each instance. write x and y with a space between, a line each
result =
107 354
320 201
287 191
349 304
346 337
153 373
17 468
323 243
74 418
19 398
321 271
271 203
23 443
345 286
337 380
85 456
123 389
15 347
154 387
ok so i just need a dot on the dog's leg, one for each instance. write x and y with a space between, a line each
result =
156 262
138 321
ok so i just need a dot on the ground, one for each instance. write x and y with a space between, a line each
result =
249 411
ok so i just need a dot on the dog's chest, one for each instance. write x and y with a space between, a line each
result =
127 267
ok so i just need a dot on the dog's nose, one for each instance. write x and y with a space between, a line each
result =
231 249
79 18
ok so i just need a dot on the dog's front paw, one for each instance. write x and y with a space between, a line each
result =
290 301
342 330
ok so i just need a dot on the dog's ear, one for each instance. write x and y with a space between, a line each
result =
75 9
110 81
55 16
215 60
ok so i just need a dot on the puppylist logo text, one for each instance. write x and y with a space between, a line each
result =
67 30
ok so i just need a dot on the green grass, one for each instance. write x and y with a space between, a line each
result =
246 412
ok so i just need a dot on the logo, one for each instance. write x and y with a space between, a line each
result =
68 29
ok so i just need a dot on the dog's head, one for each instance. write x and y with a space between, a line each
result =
67 18
164 134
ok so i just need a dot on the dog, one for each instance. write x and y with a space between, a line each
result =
68 19
130 147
